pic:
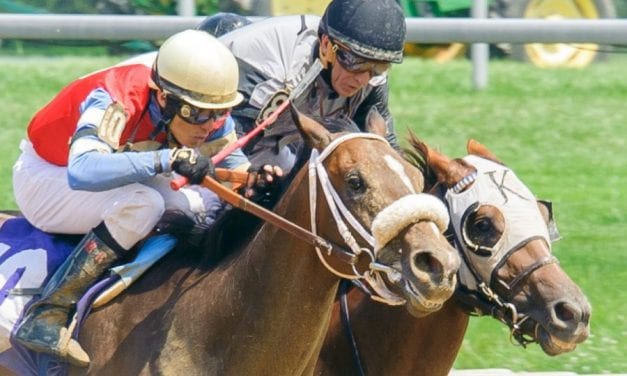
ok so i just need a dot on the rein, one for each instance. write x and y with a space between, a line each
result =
348 330
378 289
246 205
341 214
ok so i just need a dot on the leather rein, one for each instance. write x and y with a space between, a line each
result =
240 202
375 285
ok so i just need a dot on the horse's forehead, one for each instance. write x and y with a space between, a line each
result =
379 161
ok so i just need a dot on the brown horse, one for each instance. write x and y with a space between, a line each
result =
265 309
507 271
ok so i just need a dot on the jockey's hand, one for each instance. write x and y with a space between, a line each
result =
189 163
262 182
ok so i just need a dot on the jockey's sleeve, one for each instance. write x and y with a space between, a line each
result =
236 160
95 171
224 137
93 165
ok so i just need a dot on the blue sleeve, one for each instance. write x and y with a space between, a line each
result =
234 160
95 171
237 157
97 98
96 167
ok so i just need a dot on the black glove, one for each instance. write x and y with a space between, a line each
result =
189 163
263 184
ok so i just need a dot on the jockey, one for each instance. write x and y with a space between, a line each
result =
355 40
100 156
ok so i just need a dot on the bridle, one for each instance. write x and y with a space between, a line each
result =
370 279
375 285
479 298
478 274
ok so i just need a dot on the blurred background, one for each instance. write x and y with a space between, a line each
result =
543 55
555 113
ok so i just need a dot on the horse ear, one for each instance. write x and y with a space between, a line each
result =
448 171
314 133
438 162
375 123
474 147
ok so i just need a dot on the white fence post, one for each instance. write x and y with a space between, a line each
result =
479 52
186 8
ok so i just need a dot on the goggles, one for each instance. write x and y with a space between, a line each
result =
197 116
357 64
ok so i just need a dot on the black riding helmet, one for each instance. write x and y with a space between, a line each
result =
222 23
373 29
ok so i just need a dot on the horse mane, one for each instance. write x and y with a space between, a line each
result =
417 155
231 230
234 228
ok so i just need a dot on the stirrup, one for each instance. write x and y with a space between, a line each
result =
69 349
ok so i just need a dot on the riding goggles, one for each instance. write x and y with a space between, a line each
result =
199 116
357 64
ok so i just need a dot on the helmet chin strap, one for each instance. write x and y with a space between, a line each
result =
167 115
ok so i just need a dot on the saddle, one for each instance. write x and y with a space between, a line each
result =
28 257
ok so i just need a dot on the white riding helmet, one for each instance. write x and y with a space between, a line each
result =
198 69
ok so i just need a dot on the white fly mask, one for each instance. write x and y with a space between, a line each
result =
498 186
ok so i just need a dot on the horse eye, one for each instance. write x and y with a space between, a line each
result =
481 230
355 182
483 225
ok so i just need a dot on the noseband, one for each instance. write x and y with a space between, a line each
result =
426 207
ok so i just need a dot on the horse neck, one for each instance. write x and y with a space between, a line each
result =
292 292
391 341
263 310
282 251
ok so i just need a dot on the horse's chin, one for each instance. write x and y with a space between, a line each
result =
419 311
417 304
551 345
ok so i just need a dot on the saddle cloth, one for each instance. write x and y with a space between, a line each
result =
28 257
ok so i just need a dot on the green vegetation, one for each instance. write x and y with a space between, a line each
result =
562 131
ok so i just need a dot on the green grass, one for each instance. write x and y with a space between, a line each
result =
562 131
26 84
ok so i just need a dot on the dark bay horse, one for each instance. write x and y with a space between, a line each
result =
507 271
265 309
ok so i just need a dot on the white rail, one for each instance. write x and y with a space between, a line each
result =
419 30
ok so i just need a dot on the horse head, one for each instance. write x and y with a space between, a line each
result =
504 236
411 262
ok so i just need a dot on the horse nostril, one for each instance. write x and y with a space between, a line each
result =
564 312
426 262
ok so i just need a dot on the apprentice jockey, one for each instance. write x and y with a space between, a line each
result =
100 156
356 42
